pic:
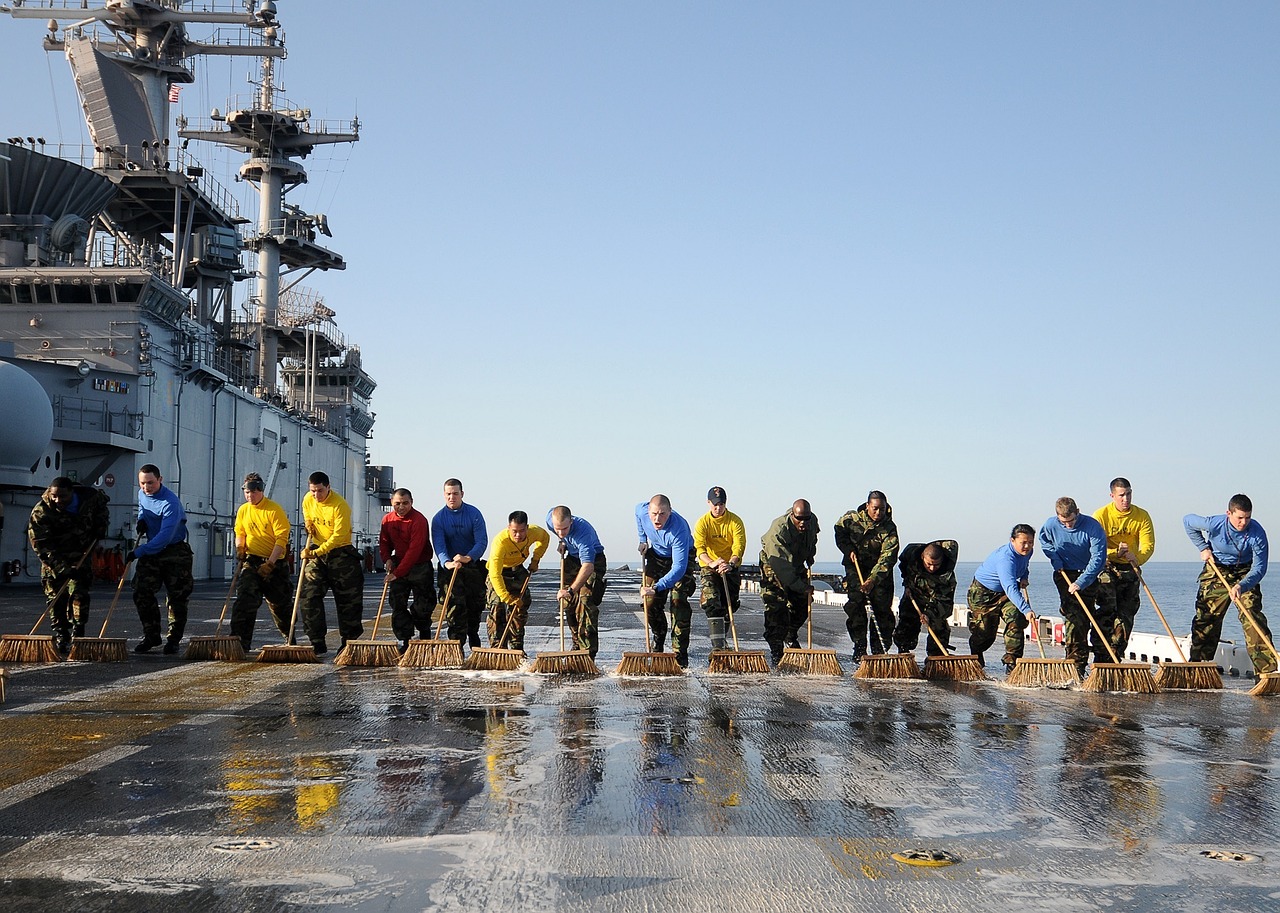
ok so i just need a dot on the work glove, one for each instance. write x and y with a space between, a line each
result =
242 552
266 569
141 527
129 556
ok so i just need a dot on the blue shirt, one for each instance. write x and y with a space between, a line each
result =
581 539
459 532
1002 571
674 541
1082 548
1230 547
165 519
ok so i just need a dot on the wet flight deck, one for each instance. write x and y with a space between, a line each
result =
161 784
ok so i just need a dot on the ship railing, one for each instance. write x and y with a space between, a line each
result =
78 6
279 105
80 414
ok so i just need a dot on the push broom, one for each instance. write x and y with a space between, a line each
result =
1182 675
1115 675
371 652
218 646
736 660
436 653
289 652
947 667
103 649
809 661
566 662
497 658
883 665
1042 672
1268 682
648 663
30 648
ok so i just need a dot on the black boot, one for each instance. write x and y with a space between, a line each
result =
148 641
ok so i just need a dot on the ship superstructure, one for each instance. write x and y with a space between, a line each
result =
159 324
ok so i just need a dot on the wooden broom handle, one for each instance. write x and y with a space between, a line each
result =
1035 621
1182 657
448 593
924 621
1080 599
386 585
728 607
1244 613
114 599
62 589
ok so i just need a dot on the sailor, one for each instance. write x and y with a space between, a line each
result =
868 542
330 562
787 552
66 524
928 587
506 595
262 539
1131 541
998 593
163 560
460 540
584 569
1077 546
719 541
1237 544
666 544
404 541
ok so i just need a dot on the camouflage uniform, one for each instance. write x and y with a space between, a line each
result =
655 568
1116 612
465 601
170 569
987 608
932 594
1212 601
712 599
62 540
582 613
251 589
341 570
513 578
875 542
786 555
420 584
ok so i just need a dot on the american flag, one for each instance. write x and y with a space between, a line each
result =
174 89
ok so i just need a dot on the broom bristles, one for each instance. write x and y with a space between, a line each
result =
740 661
28 648
222 648
570 662
1268 683
1040 673
284 653
954 668
888 665
1131 677
99 650
809 662
1188 677
494 659
649 664
367 653
433 654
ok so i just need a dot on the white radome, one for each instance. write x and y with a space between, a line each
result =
26 416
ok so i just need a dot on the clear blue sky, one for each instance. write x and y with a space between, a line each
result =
976 255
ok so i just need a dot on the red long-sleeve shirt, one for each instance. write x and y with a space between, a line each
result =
407 538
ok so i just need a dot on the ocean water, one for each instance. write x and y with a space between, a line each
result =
1172 582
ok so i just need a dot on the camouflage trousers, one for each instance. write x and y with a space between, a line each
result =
1212 601
582 613
170 569
713 591
987 609
785 610
1124 602
1079 635
342 571
68 607
937 612
466 600
505 618
419 583
251 589
655 568
879 604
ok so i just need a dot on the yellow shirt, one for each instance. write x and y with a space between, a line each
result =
332 521
720 539
1133 527
506 553
262 527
